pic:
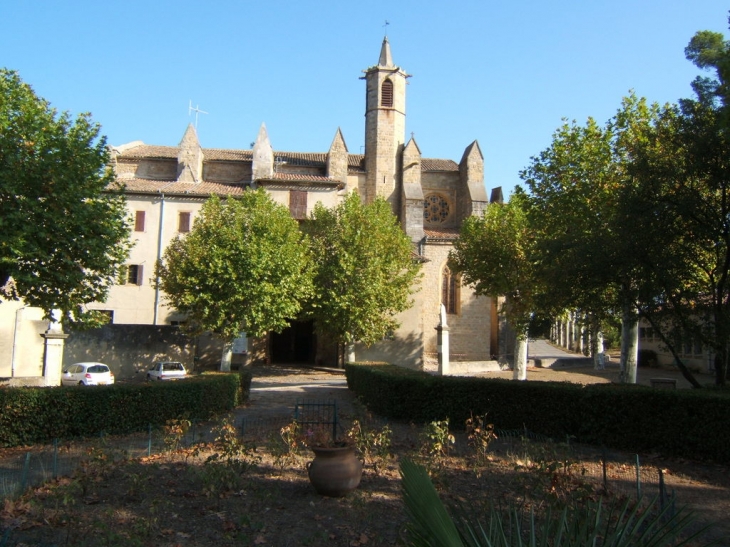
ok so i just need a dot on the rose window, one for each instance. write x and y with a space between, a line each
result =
435 209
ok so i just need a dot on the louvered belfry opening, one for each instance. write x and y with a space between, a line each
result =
386 96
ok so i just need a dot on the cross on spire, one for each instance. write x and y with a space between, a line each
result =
385 27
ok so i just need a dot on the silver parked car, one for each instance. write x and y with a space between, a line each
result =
166 370
87 374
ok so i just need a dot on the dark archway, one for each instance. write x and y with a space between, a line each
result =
295 344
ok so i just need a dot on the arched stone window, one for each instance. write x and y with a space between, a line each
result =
435 209
450 291
386 94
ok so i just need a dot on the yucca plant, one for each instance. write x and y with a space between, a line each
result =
585 525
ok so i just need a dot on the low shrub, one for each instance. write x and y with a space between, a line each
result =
685 423
31 415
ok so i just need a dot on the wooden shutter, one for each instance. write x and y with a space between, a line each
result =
140 274
139 221
183 224
298 204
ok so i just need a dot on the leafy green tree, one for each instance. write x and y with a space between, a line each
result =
364 270
710 51
64 234
244 267
684 202
494 254
589 249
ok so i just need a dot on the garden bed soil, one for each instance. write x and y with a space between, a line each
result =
177 499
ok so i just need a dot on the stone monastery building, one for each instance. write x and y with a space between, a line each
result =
166 186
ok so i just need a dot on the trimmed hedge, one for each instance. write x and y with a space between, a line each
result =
32 415
686 423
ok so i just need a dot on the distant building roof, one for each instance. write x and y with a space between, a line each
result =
300 159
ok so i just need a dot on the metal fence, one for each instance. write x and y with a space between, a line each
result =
607 471
21 469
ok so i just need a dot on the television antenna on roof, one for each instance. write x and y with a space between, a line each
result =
197 111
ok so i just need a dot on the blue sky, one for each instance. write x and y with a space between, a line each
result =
504 73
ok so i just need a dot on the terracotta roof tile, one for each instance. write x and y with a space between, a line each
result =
431 164
143 186
224 154
302 159
441 233
307 178
150 151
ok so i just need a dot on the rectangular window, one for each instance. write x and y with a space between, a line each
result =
139 221
183 222
135 274
298 204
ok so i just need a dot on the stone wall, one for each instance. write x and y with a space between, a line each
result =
129 349
469 328
223 171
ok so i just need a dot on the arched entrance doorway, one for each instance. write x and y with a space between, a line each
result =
295 344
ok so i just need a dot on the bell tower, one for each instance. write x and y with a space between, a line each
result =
385 128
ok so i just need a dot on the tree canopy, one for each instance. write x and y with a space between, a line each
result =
494 254
635 215
244 267
64 231
364 270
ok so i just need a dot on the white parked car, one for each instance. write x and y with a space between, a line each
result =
87 374
166 370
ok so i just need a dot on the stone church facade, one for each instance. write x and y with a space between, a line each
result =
167 185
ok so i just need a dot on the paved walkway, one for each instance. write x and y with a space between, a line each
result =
574 367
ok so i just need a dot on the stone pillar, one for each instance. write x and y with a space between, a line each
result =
442 344
53 354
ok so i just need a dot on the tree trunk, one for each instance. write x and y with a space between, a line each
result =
721 347
226 356
720 367
519 366
629 344
349 354
599 357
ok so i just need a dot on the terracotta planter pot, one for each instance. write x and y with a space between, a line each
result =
335 471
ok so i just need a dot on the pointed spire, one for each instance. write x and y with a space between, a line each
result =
337 158
385 57
190 157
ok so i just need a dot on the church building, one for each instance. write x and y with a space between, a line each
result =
167 185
